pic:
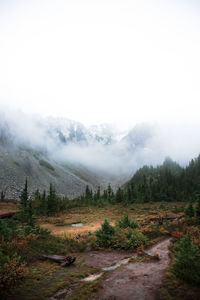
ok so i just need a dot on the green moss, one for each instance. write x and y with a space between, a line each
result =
85 291
46 278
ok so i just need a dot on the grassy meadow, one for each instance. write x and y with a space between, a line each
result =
43 278
93 217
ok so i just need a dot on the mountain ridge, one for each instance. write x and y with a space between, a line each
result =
32 148
70 155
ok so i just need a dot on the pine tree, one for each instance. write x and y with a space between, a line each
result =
52 206
109 189
43 204
37 196
119 195
2 196
24 195
110 193
30 212
98 193
23 211
97 197
129 198
37 201
88 193
105 195
187 261
189 212
105 234
197 211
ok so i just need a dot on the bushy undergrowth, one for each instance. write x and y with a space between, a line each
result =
125 222
7 229
16 249
129 240
105 235
23 244
186 265
118 238
12 269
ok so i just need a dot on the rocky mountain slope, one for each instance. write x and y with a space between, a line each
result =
65 153
35 149
16 165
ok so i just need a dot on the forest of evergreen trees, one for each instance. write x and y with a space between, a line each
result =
167 182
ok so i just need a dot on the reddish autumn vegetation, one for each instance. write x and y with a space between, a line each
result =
22 240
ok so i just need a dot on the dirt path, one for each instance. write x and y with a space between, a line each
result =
139 280
132 281
101 259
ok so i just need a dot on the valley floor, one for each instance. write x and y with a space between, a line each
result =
93 217
134 277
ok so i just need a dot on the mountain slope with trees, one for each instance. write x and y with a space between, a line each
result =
167 182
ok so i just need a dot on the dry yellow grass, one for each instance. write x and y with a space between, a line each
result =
6 207
71 231
93 217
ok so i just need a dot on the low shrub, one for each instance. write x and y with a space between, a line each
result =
12 270
105 234
117 238
129 240
162 206
7 229
189 211
37 230
187 261
125 222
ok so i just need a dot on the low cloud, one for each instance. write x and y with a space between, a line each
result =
145 144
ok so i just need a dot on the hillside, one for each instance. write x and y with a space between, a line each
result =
53 151
16 165
166 182
70 155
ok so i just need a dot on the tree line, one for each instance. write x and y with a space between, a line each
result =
167 182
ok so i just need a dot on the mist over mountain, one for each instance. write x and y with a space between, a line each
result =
71 155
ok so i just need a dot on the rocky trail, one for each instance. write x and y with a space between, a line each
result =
137 280
128 280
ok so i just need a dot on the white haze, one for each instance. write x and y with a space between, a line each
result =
96 61
180 141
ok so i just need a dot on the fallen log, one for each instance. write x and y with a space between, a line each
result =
7 215
63 260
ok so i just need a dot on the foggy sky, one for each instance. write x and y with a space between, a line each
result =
122 62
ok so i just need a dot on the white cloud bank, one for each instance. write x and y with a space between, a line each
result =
123 62
145 144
